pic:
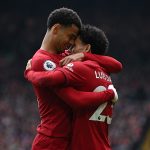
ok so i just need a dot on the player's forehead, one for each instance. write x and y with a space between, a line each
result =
72 29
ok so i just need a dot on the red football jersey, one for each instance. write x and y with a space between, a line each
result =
54 113
90 126
110 64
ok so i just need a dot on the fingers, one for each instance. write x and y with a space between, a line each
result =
116 95
61 62
110 86
115 92
65 61
71 58
28 66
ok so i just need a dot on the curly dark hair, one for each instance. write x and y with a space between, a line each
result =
95 37
63 16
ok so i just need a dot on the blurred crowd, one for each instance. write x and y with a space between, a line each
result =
21 35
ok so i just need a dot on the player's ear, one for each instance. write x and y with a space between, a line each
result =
88 48
55 28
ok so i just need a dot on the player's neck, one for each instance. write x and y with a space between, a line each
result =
47 44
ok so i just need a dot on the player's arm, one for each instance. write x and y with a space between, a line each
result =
37 65
42 72
56 77
70 95
45 78
79 99
109 63
76 73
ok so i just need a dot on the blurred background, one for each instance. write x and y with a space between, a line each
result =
127 25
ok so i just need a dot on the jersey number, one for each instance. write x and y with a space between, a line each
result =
97 114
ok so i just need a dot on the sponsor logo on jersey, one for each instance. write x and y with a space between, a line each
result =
69 66
49 65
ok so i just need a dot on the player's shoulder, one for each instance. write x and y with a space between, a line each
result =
78 64
83 64
92 64
77 67
43 61
41 55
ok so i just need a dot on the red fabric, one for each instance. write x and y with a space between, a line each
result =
57 78
109 63
84 100
55 115
45 78
88 134
42 142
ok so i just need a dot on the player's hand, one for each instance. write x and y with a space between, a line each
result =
28 66
71 58
115 92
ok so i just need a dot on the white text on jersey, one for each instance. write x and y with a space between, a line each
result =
102 75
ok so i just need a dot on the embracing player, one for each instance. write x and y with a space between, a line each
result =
91 122
54 131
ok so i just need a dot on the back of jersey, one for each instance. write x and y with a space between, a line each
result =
90 127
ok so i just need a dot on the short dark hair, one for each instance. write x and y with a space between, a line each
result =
63 16
96 37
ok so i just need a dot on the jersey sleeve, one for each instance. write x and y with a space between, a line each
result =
79 99
110 64
75 73
45 78
72 75
44 72
37 64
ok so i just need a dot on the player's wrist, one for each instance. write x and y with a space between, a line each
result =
112 93
115 99
26 73
85 56
81 55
